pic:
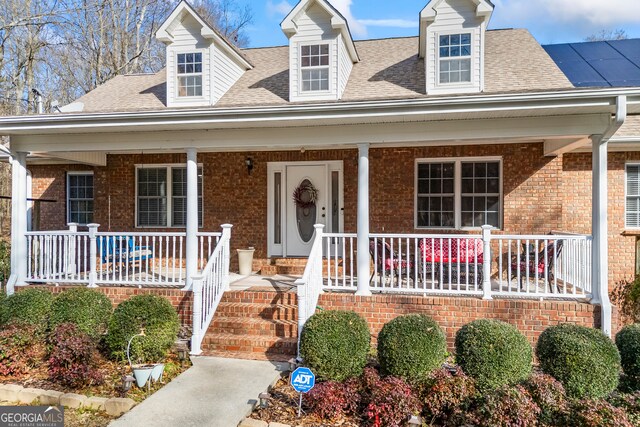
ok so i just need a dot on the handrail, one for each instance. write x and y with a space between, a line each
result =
208 288
310 285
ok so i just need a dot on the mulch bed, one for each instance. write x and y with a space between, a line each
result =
283 408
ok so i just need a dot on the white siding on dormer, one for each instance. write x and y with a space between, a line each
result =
455 16
344 66
314 27
225 72
187 39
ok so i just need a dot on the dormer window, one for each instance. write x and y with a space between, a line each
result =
314 62
189 74
455 58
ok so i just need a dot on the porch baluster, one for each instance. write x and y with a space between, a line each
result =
93 254
486 262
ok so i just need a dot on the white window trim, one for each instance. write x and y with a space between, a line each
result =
457 190
77 173
169 196
310 93
472 57
626 194
177 52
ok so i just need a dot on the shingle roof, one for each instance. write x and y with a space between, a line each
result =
389 69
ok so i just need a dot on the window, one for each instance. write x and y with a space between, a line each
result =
80 197
455 58
314 61
632 205
162 196
189 74
458 193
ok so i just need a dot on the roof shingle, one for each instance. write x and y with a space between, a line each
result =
389 69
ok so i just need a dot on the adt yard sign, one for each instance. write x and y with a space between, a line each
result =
303 380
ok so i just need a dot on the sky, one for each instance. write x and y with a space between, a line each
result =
550 21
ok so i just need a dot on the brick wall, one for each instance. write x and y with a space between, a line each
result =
451 313
541 194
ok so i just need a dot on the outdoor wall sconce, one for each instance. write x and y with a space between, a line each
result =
249 163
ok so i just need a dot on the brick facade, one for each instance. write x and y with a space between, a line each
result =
540 194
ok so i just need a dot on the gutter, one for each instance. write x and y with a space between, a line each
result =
242 116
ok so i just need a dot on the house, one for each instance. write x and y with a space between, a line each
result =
449 173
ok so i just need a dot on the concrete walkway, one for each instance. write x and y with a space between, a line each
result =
214 392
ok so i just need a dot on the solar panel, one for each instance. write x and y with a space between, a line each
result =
599 64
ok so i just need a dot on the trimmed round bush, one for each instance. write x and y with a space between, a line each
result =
29 306
88 309
152 313
628 343
335 344
584 360
411 346
494 353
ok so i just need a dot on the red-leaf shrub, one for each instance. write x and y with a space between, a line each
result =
21 349
445 393
332 399
508 406
548 393
594 413
629 403
73 357
389 401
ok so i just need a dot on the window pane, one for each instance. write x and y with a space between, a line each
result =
80 198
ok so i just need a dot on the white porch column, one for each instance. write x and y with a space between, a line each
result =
363 220
192 216
600 230
18 222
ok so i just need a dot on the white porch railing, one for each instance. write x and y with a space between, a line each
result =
310 285
484 265
121 258
208 289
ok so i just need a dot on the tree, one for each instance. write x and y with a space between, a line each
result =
604 35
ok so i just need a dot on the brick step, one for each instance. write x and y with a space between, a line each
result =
225 342
273 357
261 311
254 326
269 270
290 270
290 262
260 298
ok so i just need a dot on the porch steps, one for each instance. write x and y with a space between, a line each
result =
254 324
294 267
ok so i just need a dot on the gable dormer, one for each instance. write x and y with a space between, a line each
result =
452 35
321 51
201 65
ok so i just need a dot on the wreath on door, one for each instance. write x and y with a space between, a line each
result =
305 195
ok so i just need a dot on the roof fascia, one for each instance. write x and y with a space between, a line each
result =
338 22
207 31
604 100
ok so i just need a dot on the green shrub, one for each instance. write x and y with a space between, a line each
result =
628 343
583 359
88 309
335 344
494 353
411 346
30 306
152 313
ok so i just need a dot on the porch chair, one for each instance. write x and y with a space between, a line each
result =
115 249
442 253
540 270
383 262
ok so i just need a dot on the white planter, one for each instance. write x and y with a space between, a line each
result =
245 261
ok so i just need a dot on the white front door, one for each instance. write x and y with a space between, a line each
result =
306 205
